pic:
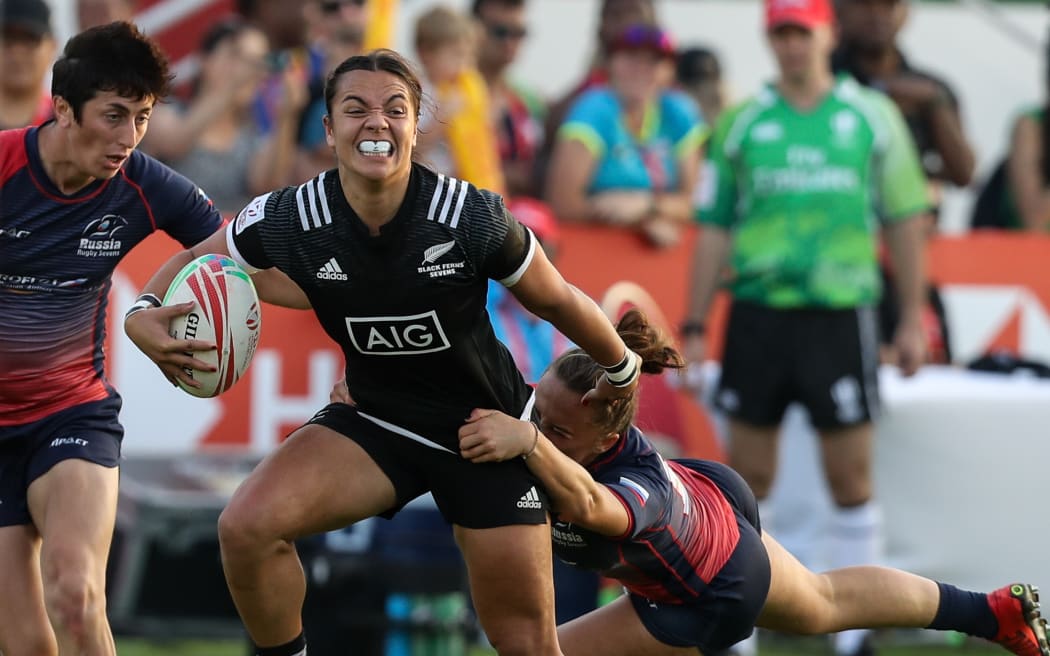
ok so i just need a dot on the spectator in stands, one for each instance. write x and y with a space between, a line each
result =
458 137
1017 194
698 72
101 12
213 138
284 24
806 170
518 112
934 320
337 31
1027 170
629 154
868 50
27 48
613 18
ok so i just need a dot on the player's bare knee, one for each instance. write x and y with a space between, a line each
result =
246 533
818 607
849 493
239 528
74 600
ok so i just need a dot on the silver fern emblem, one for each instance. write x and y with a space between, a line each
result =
434 253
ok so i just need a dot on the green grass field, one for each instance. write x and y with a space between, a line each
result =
777 647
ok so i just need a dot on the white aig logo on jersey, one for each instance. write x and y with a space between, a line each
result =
408 335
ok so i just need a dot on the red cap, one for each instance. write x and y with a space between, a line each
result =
804 13
536 216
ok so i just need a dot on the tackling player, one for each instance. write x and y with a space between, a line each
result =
684 537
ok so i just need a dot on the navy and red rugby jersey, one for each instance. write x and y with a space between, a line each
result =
682 529
57 255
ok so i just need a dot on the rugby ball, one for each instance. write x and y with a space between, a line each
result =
226 313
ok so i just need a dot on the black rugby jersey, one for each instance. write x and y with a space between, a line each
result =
57 255
407 307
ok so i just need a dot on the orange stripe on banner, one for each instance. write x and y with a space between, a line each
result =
593 258
1009 336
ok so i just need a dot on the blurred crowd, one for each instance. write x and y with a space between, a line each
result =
625 144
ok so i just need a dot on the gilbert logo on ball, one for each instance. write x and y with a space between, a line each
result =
226 313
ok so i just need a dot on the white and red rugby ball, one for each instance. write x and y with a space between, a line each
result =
226 313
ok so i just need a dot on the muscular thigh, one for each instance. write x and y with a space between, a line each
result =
612 630
74 507
796 595
317 480
510 573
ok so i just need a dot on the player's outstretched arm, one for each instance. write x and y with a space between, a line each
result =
492 436
544 291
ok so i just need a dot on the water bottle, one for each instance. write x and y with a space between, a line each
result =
399 615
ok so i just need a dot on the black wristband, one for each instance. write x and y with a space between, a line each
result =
690 328
152 299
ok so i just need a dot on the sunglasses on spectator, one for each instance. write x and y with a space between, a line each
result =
504 32
349 37
332 6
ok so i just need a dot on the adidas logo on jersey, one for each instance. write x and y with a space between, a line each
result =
530 499
331 271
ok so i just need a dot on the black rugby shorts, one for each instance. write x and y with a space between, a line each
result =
467 494
90 431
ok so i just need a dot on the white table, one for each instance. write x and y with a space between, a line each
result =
960 471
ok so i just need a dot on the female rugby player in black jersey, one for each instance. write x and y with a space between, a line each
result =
684 538
395 260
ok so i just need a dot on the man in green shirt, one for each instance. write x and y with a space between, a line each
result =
808 172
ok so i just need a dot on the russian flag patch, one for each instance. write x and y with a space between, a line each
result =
643 494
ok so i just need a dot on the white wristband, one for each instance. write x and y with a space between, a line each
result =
624 374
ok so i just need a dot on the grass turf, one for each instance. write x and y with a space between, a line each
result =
807 647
